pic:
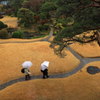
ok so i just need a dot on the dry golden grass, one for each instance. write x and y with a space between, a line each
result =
10 21
81 86
13 55
87 50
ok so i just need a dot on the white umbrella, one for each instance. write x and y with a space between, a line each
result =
44 65
27 64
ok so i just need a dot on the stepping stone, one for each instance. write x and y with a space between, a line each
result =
93 69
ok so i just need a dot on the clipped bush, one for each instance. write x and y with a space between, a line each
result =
2 25
4 34
43 27
18 34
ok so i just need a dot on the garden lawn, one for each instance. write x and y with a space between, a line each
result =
80 86
87 50
10 21
12 55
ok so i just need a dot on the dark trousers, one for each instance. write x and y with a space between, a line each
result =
45 73
27 77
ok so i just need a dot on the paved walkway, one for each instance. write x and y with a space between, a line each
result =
43 39
83 62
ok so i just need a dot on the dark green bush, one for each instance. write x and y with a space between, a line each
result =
18 34
43 27
2 25
4 34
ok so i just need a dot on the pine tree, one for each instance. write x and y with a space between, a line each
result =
80 16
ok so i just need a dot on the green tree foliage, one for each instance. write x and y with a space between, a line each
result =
42 28
4 34
47 10
26 17
33 5
84 15
15 5
18 34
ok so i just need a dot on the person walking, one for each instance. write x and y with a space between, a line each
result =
26 65
44 69
27 74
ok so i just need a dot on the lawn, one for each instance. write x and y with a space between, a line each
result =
80 86
10 21
87 50
13 55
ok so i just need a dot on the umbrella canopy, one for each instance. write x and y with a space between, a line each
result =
27 64
44 65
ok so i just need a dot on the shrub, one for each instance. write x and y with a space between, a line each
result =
4 34
18 34
43 27
2 25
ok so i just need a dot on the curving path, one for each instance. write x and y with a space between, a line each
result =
4 42
83 62
44 39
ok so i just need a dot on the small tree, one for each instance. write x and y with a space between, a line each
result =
18 34
4 34
25 17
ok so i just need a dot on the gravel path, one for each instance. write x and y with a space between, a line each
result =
83 62
44 39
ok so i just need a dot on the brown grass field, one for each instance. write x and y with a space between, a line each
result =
87 50
10 21
80 86
13 55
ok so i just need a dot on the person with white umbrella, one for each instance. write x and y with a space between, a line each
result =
44 69
26 65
